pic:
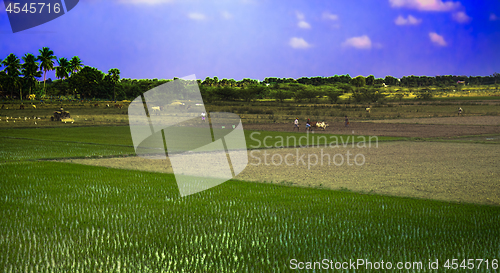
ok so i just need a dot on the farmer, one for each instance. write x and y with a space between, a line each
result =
459 111
346 121
308 125
296 124
203 116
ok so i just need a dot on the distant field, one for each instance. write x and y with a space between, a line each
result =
262 112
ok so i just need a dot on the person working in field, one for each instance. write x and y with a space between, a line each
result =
346 121
203 116
459 111
296 124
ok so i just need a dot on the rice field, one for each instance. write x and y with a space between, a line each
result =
59 217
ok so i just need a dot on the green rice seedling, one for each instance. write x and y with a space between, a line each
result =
61 217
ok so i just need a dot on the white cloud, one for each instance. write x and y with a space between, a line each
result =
298 43
461 17
426 5
304 24
360 42
300 16
145 2
493 17
196 16
400 21
437 39
226 15
329 16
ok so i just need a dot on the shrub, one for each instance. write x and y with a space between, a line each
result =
424 94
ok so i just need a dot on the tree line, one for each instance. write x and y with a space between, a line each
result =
76 79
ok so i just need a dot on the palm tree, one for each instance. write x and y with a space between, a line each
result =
62 71
29 69
75 64
46 58
114 75
1 82
12 65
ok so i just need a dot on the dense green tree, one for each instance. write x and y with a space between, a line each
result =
379 81
345 87
46 59
280 92
114 78
12 66
207 82
370 80
29 70
63 68
88 82
4 80
75 64
390 80
424 94
226 93
332 92
304 92
207 93
248 93
253 91
368 93
245 82
358 81
496 77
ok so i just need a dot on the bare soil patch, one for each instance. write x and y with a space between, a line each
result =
459 172
428 127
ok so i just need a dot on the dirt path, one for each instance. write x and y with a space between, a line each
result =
430 127
458 172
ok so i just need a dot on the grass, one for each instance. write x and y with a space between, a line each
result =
113 135
69 218
24 149
116 140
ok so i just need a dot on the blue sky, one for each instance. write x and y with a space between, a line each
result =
263 38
